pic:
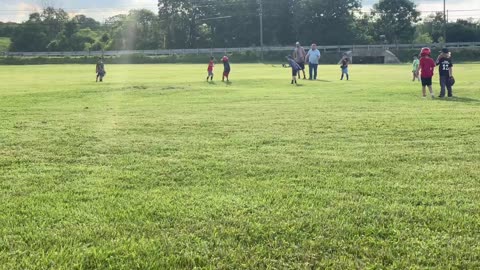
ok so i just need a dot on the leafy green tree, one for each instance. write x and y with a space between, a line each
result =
364 29
30 35
463 31
144 29
395 19
424 38
181 18
139 30
116 25
433 26
54 21
85 22
7 29
233 23
329 22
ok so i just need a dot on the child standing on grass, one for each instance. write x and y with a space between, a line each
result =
444 62
100 70
295 68
427 66
344 67
211 66
226 68
416 63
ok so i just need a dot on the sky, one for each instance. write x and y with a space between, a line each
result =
18 10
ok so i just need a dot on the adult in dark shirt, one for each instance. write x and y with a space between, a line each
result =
445 67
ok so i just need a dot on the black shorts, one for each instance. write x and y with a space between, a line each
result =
302 66
426 81
294 72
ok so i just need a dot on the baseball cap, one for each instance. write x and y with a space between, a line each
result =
298 43
425 51
445 50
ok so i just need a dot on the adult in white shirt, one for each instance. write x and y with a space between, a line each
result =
313 58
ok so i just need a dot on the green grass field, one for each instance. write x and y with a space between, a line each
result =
4 44
157 169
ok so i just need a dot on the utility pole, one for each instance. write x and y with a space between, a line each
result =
260 2
444 21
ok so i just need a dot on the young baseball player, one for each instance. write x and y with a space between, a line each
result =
295 68
416 63
211 66
445 69
427 66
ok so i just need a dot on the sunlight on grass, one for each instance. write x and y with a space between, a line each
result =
157 169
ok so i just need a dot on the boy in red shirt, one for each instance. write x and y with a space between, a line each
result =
427 66
211 65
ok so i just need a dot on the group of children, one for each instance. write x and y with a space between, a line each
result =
423 70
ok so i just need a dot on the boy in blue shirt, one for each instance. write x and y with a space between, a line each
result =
295 68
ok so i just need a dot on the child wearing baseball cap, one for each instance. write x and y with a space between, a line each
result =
427 66
445 69
211 66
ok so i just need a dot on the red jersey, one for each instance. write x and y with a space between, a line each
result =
211 64
427 66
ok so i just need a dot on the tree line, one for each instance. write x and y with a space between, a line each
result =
236 23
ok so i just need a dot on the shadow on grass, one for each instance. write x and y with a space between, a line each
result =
460 99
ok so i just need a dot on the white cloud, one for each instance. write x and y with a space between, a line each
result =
17 11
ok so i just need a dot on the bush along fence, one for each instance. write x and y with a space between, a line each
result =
462 52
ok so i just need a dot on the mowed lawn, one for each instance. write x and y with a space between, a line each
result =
157 169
